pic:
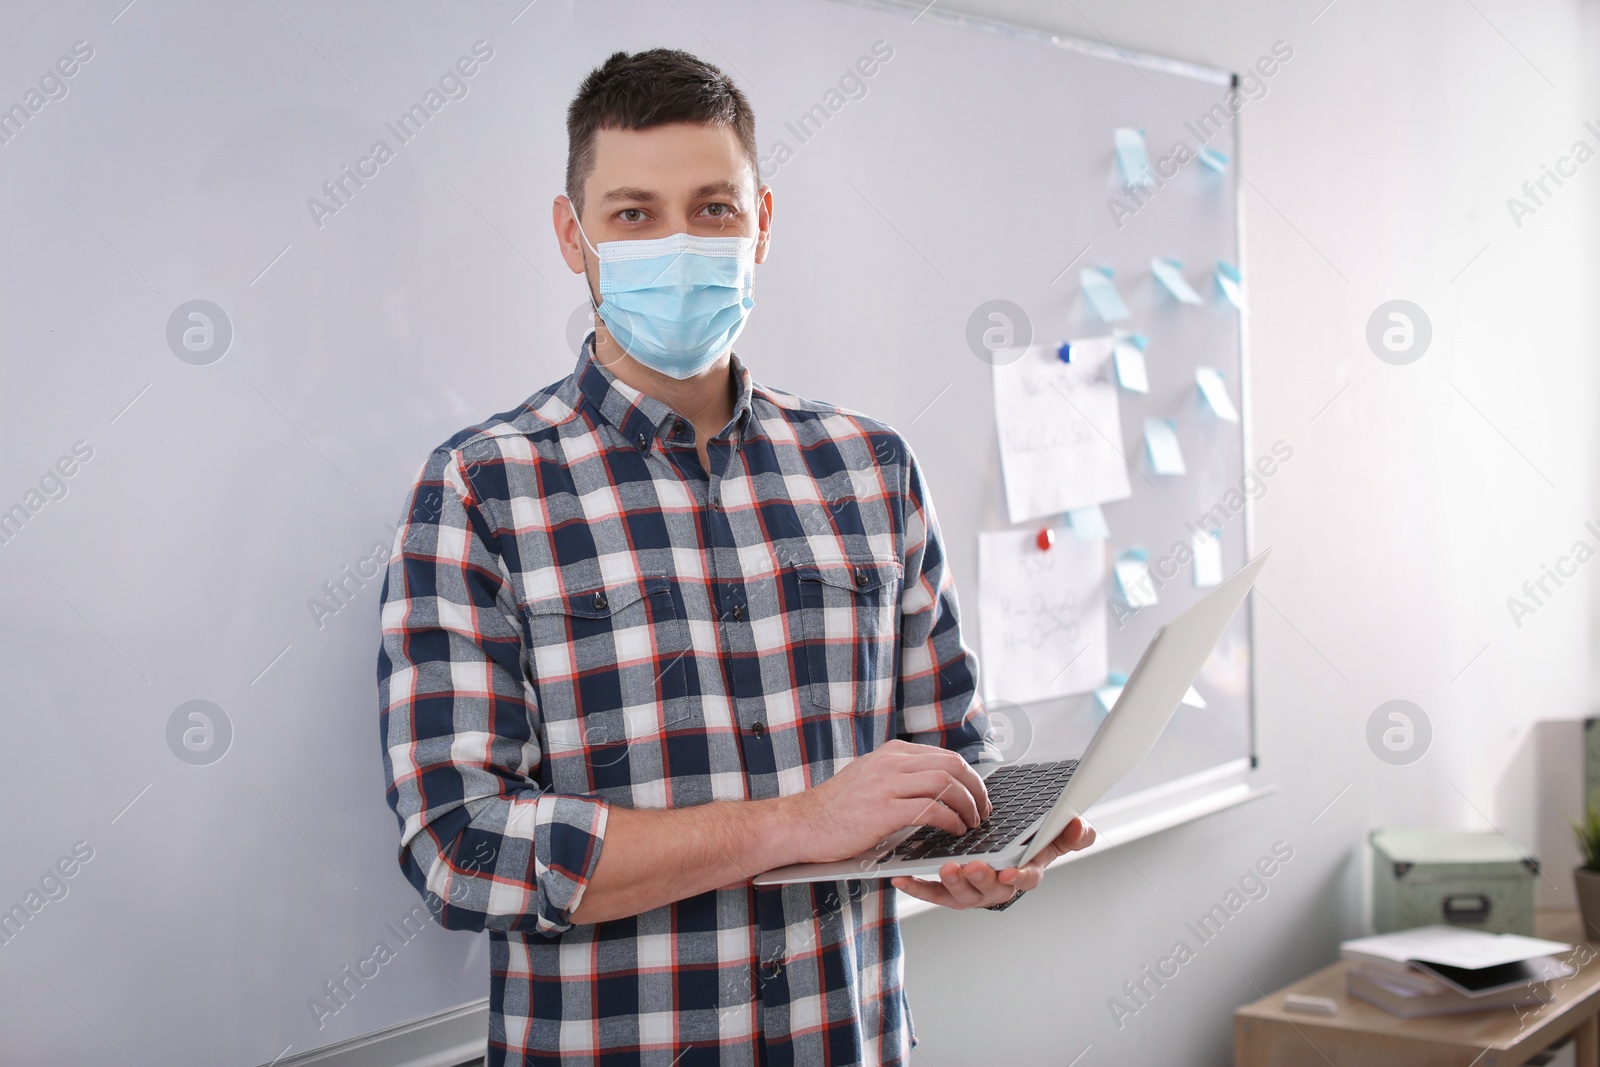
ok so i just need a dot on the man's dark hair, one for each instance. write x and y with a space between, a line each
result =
645 89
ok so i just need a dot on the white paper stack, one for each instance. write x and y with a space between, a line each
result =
1442 970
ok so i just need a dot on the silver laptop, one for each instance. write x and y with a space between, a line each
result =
1032 803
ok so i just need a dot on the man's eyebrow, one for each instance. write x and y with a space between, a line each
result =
628 192
633 194
724 187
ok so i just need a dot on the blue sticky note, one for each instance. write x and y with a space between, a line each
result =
1132 159
1213 159
1208 380
1230 283
1161 442
1169 272
1134 584
1101 294
1127 354
1089 523
1107 694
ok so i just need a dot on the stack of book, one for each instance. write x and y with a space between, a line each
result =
1443 970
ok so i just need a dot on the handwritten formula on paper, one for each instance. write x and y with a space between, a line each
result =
1043 615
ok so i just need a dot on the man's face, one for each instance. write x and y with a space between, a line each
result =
678 178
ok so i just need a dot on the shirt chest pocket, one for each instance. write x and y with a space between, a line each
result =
609 673
849 623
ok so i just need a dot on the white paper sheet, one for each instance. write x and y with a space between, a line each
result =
1060 430
1043 615
1207 558
1452 946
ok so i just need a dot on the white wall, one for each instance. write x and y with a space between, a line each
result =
1418 501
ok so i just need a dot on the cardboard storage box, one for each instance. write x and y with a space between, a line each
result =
1476 880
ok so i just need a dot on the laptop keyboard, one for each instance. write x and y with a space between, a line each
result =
1018 795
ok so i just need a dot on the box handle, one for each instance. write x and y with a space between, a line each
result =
1466 908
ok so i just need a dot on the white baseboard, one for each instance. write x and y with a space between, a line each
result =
448 1039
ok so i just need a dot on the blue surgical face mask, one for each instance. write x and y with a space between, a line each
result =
675 303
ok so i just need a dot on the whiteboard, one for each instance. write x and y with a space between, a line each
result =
192 488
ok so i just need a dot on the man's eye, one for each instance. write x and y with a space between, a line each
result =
719 211
632 214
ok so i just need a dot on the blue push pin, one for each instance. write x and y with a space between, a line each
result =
1064 352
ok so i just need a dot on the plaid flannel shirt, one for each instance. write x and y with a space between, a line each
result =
577 615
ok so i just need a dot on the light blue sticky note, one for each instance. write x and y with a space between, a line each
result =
1193 699
1213 159
1161 441
1101 294
1134 584
1169 272
1132 159
1089 524
1230 283
1107 694
1127 354
1207 558
1214 391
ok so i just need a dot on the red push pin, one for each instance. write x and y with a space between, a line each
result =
1046 539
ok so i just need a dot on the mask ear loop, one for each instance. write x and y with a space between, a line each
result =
594 308
574 213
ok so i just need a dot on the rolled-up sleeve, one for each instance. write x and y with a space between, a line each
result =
937 691
484 844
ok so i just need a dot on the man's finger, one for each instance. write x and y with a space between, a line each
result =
1078 835
983 877
942 759
989 884
932 892
987 881
968 777
1021 879
922 812
941 786
941 893
955 880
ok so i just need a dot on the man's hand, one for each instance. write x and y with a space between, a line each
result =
978 885
876 795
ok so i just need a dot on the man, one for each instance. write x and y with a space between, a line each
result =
659 629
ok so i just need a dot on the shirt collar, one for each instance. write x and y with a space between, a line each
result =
641 418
